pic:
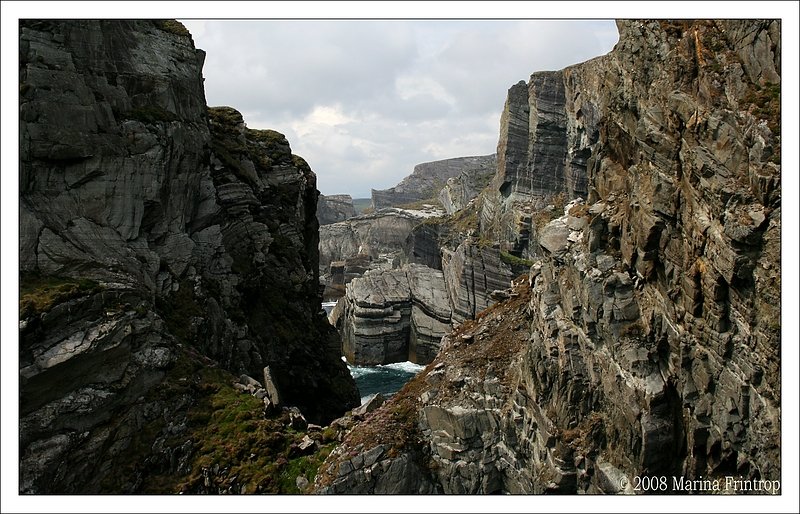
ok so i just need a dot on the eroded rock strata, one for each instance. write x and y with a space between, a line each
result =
394 316
380 235
159 241
334 208
646 337
427 180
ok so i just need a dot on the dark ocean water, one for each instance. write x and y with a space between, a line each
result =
386 379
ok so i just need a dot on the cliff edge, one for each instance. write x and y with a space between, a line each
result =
645 340
159 241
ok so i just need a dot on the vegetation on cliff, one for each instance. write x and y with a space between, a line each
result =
39 293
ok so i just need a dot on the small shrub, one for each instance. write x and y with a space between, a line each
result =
172 26
267 136
225 116
579 211
559 202
513 260
465 220
765 103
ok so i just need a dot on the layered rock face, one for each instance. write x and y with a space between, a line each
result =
163 238
394 316
428 179
646 340
458 191
472 272
380 235
397 315
542 152
334 208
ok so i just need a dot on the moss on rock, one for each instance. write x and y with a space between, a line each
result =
39 293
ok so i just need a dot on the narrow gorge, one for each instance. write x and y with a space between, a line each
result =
598 300
643 187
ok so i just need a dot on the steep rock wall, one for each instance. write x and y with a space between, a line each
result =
379 235
334 208
646 340
394 316
153 236
428 179
472 272
458 191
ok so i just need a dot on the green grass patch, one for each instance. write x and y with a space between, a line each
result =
267 136
513 260
39 293
256 454
306 466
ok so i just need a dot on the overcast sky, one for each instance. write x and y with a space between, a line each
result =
456 77
363 101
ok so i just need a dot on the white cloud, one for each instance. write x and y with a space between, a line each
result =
411 86
364 101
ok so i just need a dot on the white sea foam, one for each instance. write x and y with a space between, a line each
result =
328 306
407 367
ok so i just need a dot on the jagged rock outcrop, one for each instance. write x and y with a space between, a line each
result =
542 153
334 208
472 272
428 179
157 239
380 235
394 316
425 242
459 190
646 340
342 273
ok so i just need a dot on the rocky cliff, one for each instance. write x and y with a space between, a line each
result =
379 235
458 191
334 208
394 316
645 340
428 179
163 246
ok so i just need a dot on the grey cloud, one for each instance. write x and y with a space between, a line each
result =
290 66
393 93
